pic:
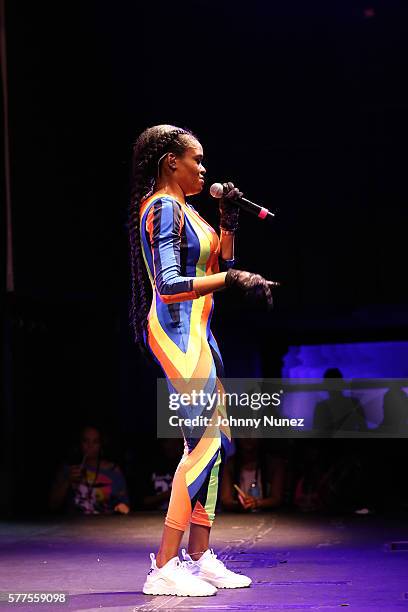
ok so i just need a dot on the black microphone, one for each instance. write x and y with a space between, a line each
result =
217 191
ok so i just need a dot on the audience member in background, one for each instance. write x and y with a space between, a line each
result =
328 479
395 411
157 490
338 412
259 475
90 484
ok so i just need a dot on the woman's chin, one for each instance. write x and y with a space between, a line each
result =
196 191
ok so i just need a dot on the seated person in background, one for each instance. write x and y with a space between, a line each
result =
338 412
90 484
395 412
259 475
159 479
330 478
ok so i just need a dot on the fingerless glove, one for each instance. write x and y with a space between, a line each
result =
254 286
229 212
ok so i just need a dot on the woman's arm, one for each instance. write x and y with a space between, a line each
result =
207 284
215 282
164 224
119 492
227 245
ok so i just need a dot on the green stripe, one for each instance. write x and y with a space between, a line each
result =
213 489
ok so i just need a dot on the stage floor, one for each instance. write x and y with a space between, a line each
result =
296 563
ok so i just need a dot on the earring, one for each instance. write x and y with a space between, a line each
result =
158 163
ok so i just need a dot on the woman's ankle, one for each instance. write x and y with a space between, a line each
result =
162 558
196 555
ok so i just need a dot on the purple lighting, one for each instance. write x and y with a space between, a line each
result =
360 360
357 360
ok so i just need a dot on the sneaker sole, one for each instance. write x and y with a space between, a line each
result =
220 585
148 591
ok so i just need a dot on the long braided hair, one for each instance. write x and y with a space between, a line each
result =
148 150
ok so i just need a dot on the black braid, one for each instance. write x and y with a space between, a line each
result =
149 147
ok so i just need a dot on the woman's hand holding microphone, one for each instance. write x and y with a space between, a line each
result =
254 286
229 212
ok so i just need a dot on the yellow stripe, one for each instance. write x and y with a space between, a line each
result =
184 362
204 460
195 340
211 500
204 240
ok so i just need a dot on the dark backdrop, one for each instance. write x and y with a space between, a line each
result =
303 105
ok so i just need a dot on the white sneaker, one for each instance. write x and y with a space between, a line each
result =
212 570
174 578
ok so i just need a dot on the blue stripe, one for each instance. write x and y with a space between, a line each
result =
166 233
195 486
194 248
173 329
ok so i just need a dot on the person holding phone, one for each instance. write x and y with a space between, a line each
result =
254 479
90 484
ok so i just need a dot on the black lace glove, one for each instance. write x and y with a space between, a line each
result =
229 212
254 286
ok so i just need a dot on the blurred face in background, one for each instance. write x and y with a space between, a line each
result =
90 442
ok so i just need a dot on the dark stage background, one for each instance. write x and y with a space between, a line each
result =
302 104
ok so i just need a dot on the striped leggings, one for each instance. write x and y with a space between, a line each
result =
197 479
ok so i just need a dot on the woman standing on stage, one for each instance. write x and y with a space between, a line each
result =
175 253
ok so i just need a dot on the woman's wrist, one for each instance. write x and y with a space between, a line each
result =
227 239
203 285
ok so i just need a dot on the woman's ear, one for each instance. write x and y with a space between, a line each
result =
172 161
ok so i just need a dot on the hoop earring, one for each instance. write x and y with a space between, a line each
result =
158 164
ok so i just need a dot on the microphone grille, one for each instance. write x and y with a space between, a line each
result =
216 190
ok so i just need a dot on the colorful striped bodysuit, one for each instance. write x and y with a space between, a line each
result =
179 245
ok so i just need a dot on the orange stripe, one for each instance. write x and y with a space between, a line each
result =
182 385
200 516
203 367
149 223
169 369
178 297
179 511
